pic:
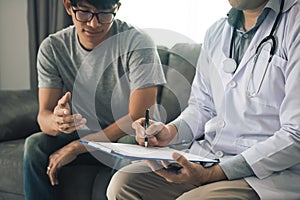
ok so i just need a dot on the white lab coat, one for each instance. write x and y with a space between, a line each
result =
264 129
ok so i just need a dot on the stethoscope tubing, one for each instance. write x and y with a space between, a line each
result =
271 37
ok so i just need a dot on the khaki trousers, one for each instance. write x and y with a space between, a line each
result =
136 182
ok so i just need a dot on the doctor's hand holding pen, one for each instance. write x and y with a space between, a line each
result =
152 133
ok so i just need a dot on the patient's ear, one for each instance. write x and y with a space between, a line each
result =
67 5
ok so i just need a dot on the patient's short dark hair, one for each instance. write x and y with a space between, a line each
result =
99 4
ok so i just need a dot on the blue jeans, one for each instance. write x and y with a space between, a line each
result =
38 147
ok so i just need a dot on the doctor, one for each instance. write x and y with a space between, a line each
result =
245 101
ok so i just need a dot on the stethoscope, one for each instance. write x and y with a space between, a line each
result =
230 65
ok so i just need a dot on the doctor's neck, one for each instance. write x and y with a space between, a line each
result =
251 15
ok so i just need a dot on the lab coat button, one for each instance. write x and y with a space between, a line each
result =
219 154
232 84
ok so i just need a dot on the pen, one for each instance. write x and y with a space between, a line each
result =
146 126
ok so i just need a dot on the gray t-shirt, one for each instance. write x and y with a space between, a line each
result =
100 80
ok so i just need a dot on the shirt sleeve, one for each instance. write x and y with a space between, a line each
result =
144 63
48 75
185 134
236 168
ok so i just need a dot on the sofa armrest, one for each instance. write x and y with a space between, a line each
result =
18 114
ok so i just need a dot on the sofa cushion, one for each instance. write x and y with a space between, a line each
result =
179 74
11 166
18 121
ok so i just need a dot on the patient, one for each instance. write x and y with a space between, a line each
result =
95 78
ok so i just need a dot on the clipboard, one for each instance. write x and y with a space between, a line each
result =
136 152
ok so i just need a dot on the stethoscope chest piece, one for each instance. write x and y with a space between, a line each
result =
229 65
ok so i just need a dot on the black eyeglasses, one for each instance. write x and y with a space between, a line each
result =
86 16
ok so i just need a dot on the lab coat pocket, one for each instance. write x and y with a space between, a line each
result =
279 62
267 80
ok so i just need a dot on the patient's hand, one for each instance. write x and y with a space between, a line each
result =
67 122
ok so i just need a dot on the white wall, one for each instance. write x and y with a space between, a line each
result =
167 21
14 56
171 21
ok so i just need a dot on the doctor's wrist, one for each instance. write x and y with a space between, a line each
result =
214 174
173 133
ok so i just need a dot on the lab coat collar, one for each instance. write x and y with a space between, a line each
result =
275 5
262 32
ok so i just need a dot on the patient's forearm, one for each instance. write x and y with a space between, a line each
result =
113 132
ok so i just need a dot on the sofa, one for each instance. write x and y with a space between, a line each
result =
18 112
